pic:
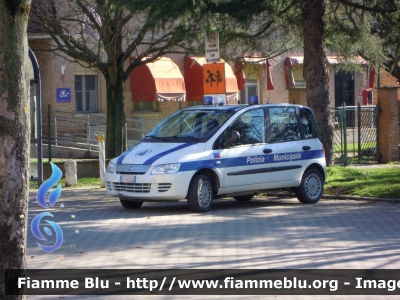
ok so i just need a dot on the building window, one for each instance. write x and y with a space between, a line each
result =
250 89
298 76
86 96
145 105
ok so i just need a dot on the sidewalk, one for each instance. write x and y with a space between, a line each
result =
265 233
273 232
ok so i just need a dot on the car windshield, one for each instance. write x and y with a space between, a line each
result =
190 124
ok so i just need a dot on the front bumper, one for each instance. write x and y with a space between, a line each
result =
167 187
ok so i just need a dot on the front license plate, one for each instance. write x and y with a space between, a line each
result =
127 179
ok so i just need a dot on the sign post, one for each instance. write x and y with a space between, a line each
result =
213 71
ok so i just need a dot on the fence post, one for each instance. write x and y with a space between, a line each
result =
55 131
126 137
344 134
378 148
49 132
118 140
141 127
359 130
102 158
88 131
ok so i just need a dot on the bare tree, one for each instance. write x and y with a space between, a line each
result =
14 135
115 37
351 28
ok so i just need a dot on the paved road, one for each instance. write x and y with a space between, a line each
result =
265 233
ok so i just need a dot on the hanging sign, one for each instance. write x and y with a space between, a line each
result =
214 78
63 94
212 46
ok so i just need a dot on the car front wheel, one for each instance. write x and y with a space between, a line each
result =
200 193
311 187
130 204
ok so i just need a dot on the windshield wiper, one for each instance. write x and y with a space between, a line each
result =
182 136
190 137
156 137
165 138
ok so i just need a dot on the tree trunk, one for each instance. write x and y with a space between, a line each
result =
315 71
14 135
115 132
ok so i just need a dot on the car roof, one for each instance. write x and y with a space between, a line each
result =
237 107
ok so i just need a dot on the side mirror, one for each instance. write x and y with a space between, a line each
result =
235 136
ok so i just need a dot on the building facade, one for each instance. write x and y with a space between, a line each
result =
72 86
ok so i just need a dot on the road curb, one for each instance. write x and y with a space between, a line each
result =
338 197
348 197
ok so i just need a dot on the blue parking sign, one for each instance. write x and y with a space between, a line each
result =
63 94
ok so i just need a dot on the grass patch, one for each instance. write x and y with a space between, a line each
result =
368 182
82 183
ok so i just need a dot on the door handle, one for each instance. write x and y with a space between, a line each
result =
267 150
306 148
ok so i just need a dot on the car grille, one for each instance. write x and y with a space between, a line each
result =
132 187
127 169
163 187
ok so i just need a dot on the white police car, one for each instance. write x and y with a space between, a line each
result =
205 152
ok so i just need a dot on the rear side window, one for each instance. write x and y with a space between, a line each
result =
308 122
284 124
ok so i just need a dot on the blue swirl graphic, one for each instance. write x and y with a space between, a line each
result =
47 185
36 232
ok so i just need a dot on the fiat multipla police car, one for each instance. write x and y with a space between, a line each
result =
212 151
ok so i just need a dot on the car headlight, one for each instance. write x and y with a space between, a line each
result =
110 167
166 169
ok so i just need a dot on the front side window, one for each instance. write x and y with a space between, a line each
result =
284 124
251 129
86 93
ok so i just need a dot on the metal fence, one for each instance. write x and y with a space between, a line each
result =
355 134
67 134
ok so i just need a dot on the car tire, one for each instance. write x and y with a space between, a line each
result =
200 193
244 198
311 187
130 204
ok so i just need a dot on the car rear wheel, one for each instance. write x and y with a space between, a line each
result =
311 187
130 204
200 193
244 197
